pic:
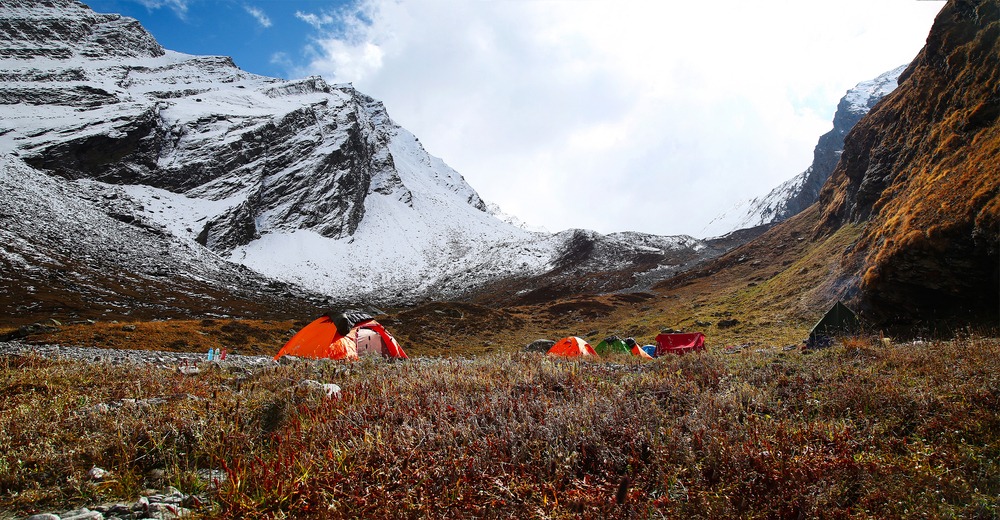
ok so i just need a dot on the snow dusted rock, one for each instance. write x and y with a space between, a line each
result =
298 181
96 473
799 192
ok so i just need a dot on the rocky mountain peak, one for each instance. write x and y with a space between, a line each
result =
798 193
304 182
64 29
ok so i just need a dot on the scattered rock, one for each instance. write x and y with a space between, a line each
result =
287 360
332 390
329 390
539 345
29 330
725 324
188 370
82 514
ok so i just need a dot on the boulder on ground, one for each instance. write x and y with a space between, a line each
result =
539 345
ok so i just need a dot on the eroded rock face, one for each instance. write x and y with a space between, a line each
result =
60 30
922 170
852 107
301 181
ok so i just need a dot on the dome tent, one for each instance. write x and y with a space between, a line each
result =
839 320
571 346
611 344
342 335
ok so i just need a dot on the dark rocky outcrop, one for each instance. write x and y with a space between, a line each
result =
921 173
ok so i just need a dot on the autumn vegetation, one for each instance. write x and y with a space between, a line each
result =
867 429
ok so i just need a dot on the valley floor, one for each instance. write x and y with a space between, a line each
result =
862 429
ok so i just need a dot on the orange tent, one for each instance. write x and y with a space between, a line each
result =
342 336
571 346
638 352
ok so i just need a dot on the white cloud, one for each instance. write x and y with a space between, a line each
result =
317 21
179 7
647 116
258 15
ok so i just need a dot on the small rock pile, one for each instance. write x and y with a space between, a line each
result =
165 505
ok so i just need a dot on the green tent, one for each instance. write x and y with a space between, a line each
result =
839 320
612 344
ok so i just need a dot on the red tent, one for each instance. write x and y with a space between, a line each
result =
342 336
679 343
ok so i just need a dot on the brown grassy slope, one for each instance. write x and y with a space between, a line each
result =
922 172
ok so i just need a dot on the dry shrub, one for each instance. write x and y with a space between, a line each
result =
908 430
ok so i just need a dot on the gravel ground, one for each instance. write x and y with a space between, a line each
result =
138 357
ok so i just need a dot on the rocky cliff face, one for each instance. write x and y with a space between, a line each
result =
301 181
60 30
921 173
798 193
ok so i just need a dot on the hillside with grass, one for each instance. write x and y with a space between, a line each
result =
921 173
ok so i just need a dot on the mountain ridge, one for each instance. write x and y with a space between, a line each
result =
796 194
921 174
305 182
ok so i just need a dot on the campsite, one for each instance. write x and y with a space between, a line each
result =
225 294
472 425
492 430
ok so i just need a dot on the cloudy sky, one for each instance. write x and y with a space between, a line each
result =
611 115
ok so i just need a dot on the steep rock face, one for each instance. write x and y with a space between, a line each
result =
798 193
302 181
78 249
922 170
61 30
851 108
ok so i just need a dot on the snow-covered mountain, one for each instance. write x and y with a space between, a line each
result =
300 181
799 192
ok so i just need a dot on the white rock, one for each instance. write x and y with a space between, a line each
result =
96 473
82 514
332 390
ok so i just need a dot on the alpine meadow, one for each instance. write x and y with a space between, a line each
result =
227 295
